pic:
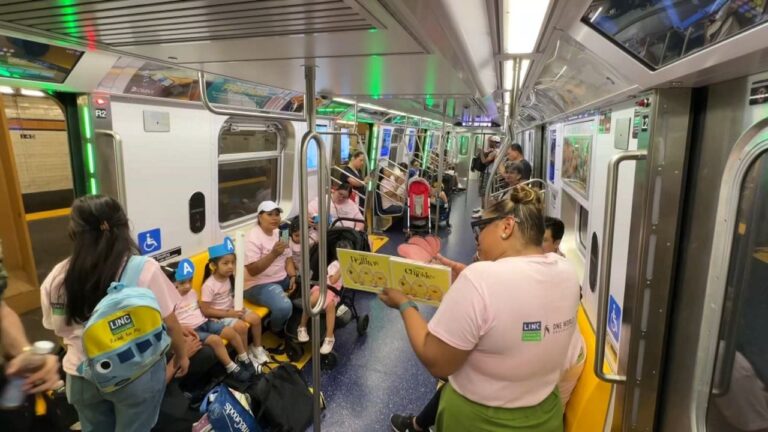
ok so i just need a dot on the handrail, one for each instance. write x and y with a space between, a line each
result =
244 113
117 152
606 258
377 184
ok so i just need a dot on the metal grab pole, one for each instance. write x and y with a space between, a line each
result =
440 168
509 130
322 198
606 257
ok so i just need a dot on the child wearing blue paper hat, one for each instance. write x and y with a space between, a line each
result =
210 332
217 301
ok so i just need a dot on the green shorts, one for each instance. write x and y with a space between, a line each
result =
457 413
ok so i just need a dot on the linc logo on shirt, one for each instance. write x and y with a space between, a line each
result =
532 331
121 324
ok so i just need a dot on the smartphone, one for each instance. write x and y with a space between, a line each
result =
284 235
316 219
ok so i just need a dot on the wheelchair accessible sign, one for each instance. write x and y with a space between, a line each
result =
150 241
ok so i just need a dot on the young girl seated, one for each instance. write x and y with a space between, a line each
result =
217 301
210 332
331 300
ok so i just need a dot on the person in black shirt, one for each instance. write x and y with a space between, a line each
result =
515 154
353 175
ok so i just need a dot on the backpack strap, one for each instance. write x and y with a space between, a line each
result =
132 270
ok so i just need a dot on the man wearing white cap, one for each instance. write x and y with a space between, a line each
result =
270 272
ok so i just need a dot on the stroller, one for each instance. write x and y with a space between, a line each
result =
418 212
359 241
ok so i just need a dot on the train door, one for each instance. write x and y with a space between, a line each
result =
38 164
718 349
620 187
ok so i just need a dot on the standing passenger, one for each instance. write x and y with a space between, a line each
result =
353 176
270 271
503 331
102 246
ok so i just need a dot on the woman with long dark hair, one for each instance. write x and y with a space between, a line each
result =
102 245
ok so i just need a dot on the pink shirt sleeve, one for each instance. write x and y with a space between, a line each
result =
462 317
54 279
253 250
152 277
206 292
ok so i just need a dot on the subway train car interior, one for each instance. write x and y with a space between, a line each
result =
621 144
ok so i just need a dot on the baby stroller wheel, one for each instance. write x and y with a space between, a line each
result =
362 325
293 350
329 361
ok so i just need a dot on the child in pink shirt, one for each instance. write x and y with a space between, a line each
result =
217 301
331 300
210 332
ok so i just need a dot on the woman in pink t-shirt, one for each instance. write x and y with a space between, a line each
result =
503 331
341 207
270 275
102 245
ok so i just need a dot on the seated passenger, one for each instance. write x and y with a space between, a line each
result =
270 274
392 189
553 235
217 300
208 331
499 380
415 169
295 242
341 207
332 298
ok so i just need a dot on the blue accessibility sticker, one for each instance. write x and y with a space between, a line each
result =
614 318
150 241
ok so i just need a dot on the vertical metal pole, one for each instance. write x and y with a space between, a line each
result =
440 168
323 178
239 275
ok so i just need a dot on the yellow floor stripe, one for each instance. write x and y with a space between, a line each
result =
271 341
49 214
377 241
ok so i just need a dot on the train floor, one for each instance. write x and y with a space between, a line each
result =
377 374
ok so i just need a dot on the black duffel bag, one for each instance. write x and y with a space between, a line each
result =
281 400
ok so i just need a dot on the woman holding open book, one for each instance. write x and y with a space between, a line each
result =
503 330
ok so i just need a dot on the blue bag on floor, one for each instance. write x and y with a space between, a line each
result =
226 413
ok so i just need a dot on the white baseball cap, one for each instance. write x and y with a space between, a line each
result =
495 138
268 206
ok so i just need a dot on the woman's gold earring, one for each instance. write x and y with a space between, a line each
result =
505 236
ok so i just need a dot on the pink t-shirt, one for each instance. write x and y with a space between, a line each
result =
295 254
348 209
257 245
188 311
517 317
53 302
218 293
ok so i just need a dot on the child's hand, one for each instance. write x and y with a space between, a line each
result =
233 313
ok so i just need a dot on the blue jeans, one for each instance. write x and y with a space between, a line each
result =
208 328
133 408
272 295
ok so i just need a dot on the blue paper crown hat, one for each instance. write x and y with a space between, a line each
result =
185 270
219 250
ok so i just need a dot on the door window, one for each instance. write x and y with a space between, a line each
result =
738 399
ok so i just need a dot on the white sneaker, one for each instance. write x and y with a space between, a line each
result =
477 215
477 210
259 354
327 346
341 310
302 335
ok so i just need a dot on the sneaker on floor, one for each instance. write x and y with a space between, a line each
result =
327 346
260 354
302 335
249 366
402 423
242 375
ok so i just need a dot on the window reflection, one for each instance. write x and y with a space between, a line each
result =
662 31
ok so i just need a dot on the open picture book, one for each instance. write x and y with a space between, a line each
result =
425 283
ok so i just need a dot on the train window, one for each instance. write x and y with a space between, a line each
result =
741 365
658 32
248 170
583 227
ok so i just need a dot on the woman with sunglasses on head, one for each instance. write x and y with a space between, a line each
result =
504 328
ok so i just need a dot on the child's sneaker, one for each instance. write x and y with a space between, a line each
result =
249 367
327 346
302 335
341 310
242 375
259 354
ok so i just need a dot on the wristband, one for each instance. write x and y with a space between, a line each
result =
408 304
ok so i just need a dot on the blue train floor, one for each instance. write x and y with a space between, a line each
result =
378 374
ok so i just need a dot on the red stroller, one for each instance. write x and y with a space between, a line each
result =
418 211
